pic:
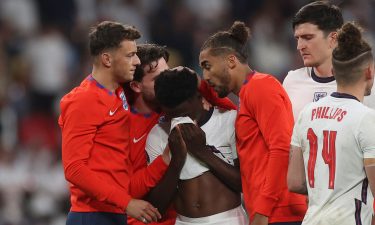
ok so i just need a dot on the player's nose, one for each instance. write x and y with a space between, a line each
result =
300 44
136 61
206 75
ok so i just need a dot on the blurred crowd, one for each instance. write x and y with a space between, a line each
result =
43 54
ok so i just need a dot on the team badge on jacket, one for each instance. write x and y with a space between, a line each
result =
319 95
124 101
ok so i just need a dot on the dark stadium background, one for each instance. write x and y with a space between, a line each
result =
43 54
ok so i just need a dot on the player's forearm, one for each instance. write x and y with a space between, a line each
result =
81 176
296 177
277 135
227 173
274 183
143 180
370 172
276 173
299 189
163 193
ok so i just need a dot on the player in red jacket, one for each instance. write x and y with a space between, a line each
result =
95 122
145 113
263 127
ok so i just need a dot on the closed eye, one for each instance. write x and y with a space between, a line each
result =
131 54
205 65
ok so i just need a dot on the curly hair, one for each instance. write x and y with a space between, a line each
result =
173 87
149 54
108 35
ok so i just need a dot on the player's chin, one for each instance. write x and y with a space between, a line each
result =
129 76
307 60
308 63
222 92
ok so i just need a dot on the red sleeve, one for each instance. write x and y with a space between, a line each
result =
211 96
79 126
145 179
272 109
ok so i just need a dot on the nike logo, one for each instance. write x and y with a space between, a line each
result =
135 140
111 113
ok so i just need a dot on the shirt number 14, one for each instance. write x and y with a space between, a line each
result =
328 154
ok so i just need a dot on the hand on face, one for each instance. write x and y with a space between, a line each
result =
177 147
195 139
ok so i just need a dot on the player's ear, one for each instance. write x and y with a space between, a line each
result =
231 61
369 72
135 86
106 59
332 39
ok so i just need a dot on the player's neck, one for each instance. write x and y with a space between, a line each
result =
354 90
324 70
243 70
205 116
103 77
141 106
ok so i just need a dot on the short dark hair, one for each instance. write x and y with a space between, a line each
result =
351 55
173 87
148 54
326 16
108 35
234 40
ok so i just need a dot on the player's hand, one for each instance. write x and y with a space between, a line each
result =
177 147
142 211
166 155
259 219
195 140
206 105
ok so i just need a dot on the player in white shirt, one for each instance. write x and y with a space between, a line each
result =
209 185
304 86
315 27
332 156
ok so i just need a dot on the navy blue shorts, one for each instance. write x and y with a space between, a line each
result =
95 218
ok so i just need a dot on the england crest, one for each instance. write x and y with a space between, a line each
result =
124 101
319 95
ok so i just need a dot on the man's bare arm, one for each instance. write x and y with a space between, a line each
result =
296 171
370 172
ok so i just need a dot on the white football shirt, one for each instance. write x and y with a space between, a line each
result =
336 134
219 131
303 87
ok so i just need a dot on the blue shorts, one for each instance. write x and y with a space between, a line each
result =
96 218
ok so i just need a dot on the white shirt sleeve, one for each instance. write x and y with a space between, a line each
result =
286 81
366 135
156 142
297 136
232 133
